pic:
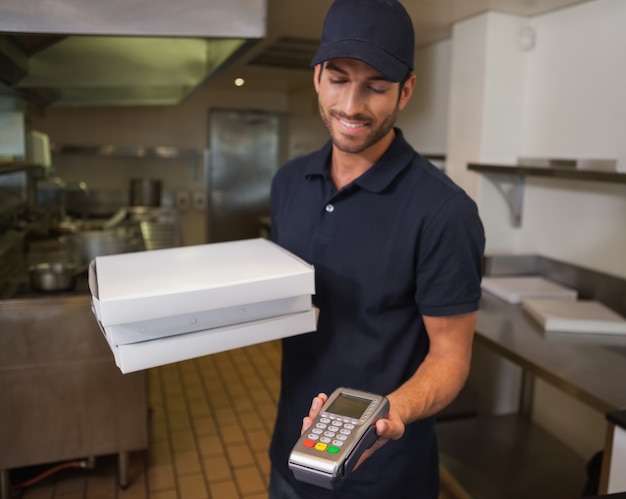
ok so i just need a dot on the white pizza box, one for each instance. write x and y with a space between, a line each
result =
144 355
142 286
122 334
516 289
603 165
580 316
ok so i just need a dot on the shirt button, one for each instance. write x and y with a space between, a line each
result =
330 208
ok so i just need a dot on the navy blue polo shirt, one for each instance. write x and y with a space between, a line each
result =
399 242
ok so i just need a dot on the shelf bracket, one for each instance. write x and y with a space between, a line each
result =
511 186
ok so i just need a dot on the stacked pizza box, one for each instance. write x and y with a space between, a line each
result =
164 306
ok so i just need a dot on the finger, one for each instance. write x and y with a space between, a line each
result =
317 404
306 423
387 429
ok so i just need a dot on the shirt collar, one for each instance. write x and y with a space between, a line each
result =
380 175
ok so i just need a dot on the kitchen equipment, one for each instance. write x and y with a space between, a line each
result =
160 227
145 192
244 154
82 247
115 220
516 289
100 203
62 396
581 316
12 261
51 277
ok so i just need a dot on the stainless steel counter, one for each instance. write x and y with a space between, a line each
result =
507 455
63 398
590 367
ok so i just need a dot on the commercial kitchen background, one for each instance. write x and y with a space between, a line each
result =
480 97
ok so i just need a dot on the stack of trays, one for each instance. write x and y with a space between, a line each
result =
169 305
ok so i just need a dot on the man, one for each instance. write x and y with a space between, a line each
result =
397 249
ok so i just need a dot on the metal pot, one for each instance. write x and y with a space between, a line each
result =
145 192
83 247
56 276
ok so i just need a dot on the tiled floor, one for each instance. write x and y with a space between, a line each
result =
211 424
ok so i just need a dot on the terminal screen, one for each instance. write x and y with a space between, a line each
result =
348 405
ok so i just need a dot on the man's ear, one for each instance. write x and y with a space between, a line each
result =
406 92
317 71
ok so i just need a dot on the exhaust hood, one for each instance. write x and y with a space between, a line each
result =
105 70
121 52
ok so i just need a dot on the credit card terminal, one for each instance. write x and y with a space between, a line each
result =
329 449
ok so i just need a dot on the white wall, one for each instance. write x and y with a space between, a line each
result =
575 106
424 121
575 82
563 98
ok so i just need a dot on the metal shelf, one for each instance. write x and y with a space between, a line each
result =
435 156
115 151
17 166
551 172
510 180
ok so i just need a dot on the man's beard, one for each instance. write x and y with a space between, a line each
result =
356 145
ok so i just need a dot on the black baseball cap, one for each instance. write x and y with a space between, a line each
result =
376 32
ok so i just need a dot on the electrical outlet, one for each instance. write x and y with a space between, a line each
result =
199 200
182 200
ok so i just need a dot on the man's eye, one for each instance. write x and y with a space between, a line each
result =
336 81
378 90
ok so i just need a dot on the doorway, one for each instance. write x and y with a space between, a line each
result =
244 149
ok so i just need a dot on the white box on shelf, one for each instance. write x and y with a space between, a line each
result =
601 165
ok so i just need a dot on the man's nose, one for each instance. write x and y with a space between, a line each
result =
354 100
